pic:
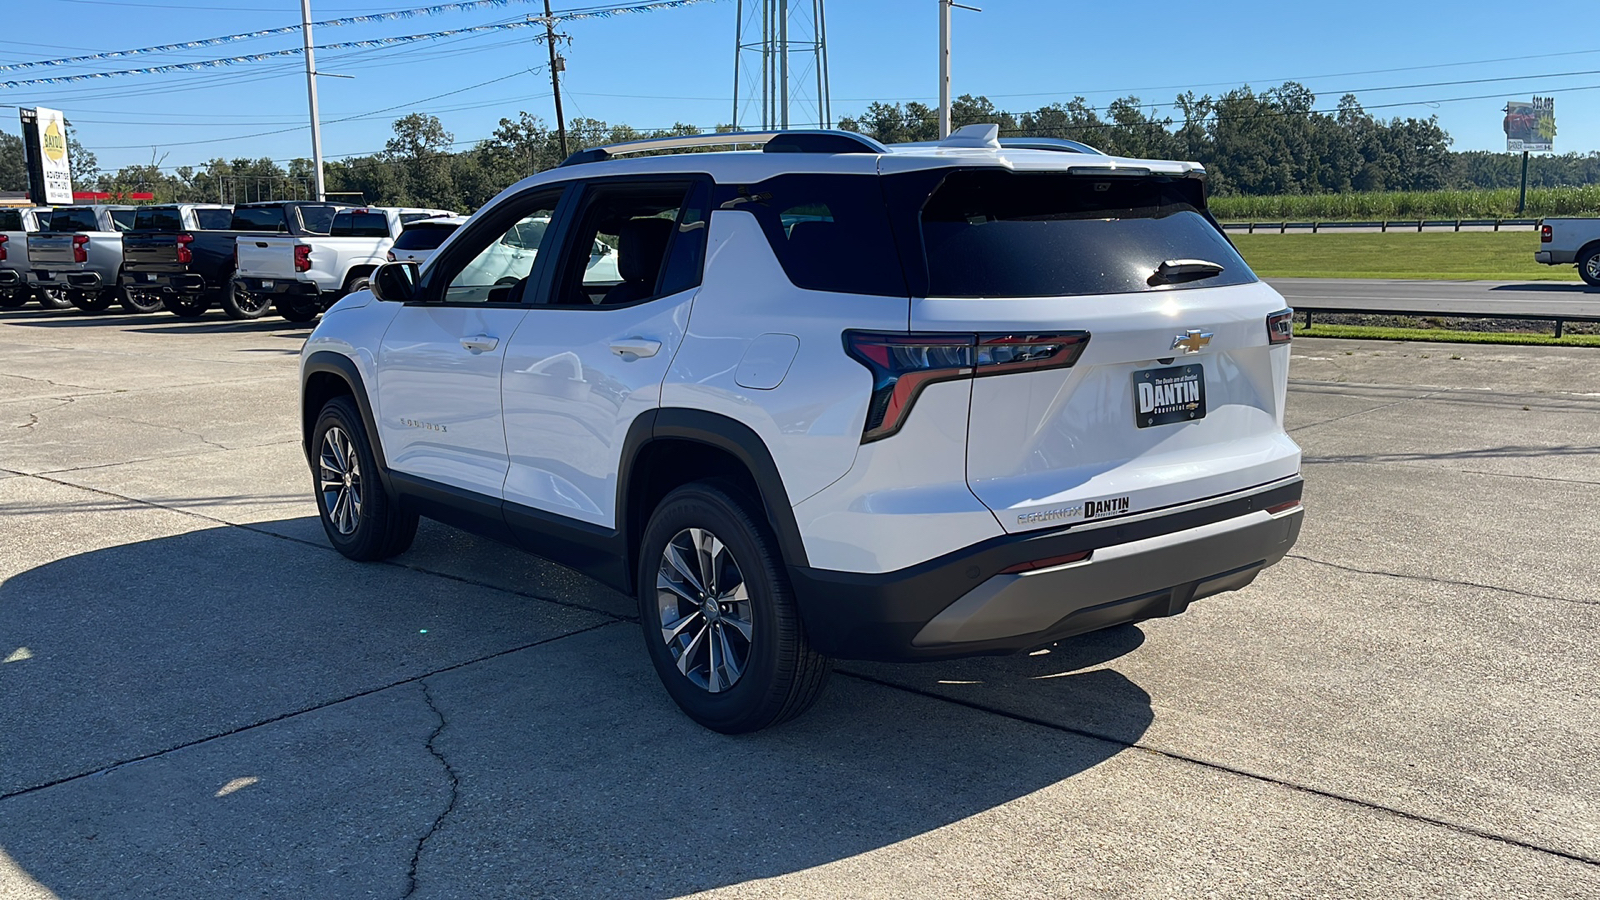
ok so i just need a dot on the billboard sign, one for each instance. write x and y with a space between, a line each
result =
44 136
1530 126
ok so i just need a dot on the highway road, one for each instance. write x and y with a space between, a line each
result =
1573 301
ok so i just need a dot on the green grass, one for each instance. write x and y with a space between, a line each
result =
1445 336
1412 205
1463 256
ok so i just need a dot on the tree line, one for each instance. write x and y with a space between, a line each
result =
1266 143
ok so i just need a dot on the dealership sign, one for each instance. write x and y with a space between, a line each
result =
44 135
1530 126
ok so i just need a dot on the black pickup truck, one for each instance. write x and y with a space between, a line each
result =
157 252
189 265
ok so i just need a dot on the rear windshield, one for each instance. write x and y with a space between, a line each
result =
989 233
356 223
11 220
829 232
158 218
214 219
259 218
423 236
73 220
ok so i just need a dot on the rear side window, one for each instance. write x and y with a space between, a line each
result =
424 236
988 233
213 219
829 232
73 220
350 223
10 220
158 218
259 218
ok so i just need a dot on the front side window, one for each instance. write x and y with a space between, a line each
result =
509 266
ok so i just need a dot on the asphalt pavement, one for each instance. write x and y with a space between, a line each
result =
202 699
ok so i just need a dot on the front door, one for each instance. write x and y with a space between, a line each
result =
440 360
583 367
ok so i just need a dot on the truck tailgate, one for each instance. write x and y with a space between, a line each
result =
150 252
50 251
266 257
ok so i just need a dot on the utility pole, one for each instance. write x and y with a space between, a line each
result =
557 64
944 62
311 91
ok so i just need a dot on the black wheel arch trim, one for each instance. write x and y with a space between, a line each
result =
343 367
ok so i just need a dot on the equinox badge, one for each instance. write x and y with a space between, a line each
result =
1192 341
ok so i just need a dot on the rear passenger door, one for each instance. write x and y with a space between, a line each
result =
584 365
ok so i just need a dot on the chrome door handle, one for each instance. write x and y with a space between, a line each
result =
636 347
481 343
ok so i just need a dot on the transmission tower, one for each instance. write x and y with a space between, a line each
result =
780 68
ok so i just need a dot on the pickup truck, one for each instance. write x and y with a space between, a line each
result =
1564 242
212 256
80 253
15 226
156 252
305 275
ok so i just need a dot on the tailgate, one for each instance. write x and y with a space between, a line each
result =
150 252
266 257
51 251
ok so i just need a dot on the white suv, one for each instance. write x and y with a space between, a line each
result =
836 400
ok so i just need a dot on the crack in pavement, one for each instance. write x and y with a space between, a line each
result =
1338 461
1363 412
33 416
1231 770
196 435
455 791
250 726
1450 581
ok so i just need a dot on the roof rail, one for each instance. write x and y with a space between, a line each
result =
1061 145
809 141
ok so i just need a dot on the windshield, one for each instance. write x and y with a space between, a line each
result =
995 233
73 220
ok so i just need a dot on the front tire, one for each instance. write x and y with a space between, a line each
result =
719 617
359 518
241 304
1589 268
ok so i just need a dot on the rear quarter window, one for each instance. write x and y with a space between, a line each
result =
991 233
829 232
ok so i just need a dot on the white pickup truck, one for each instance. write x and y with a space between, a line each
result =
1565 242
16 223
305 275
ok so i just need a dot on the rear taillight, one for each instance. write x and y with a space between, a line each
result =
80 248
185 255
3 239
388 254
1047 563
1282 507
903 364
1280 327
1546 234
302 258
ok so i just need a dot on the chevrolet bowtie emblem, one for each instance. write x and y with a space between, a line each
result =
1192 340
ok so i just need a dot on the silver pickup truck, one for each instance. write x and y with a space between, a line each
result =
1565 242
16 223
80 254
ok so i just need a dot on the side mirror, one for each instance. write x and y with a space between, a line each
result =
395 282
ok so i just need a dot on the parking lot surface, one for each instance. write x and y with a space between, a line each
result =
202 699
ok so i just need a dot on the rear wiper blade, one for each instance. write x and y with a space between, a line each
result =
1176 270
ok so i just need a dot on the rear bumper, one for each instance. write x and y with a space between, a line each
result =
962 604
1555 257
85 281
10 278
179 282
278 287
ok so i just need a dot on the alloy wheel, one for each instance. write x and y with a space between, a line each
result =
705 610
340 480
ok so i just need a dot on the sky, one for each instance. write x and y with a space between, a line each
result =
1461 63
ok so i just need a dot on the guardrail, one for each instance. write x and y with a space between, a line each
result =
1559 312
1383 225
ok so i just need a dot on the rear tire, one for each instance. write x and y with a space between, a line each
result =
13 298
185 306
1589 268
52 298
239 303
296 308
93 301
719 616
359 518
140 302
